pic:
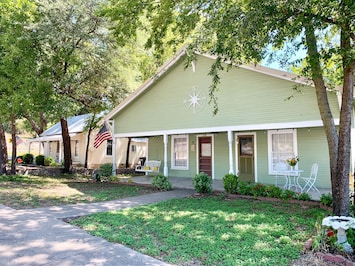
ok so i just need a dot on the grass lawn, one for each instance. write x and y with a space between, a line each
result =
210 230
24 192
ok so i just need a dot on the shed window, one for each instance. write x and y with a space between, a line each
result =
109 147
76 148
180 155
282 145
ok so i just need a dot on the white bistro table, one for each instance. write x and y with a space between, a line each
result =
291 177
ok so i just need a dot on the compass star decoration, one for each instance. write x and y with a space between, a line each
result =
195 100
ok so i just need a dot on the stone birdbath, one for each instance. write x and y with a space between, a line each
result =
341 224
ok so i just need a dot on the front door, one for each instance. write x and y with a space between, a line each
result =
205 155
246 158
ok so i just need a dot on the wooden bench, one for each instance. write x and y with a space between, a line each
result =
149 167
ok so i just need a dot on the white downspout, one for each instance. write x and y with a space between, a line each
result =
114 148
230 148
166 140
114 164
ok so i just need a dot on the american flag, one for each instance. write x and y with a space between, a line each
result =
18 140
103 135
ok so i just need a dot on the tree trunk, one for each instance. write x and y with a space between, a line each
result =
38 128
338 146
3 151
127 152
66 144
87 147
13 142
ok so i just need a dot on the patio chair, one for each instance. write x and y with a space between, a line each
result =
280 169
311 180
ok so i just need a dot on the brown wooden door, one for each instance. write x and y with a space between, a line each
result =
205 155
246 158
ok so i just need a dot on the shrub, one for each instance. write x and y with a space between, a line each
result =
49 161
39 160
230 183
273 191
258 190
304 196
245 189
202 183
326 199
105 170
288 194
28 158
161 182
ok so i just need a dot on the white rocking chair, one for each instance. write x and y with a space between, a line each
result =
311 180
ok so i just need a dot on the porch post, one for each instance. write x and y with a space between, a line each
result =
114 164
166 139
230 147
60 151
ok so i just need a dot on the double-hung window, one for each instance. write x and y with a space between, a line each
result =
180 152
282 145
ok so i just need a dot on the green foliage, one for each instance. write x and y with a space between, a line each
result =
273 191
105 170
161 182
326 199
245 189
230 183
28 158
350 234
288 194
304 196
39 160
190 224
49 161
202 183
258 190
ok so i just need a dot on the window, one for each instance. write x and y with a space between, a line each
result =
76 148
282 144
179 150
109 147
133 148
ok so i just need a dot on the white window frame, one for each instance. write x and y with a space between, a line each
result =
173 163
107 143
285 155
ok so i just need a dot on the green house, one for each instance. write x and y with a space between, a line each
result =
261 121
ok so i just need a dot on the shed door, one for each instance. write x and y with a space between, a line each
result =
246 158
205 155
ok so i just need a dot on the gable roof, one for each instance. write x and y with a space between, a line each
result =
182 53
76 124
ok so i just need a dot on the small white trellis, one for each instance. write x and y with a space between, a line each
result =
341 224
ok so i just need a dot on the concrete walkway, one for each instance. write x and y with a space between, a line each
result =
39 237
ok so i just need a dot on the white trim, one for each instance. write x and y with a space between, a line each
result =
269 146
268 71
173 166
288 125
198 152
112 147
255 153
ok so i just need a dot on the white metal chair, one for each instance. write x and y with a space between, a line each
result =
280 169
311 180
